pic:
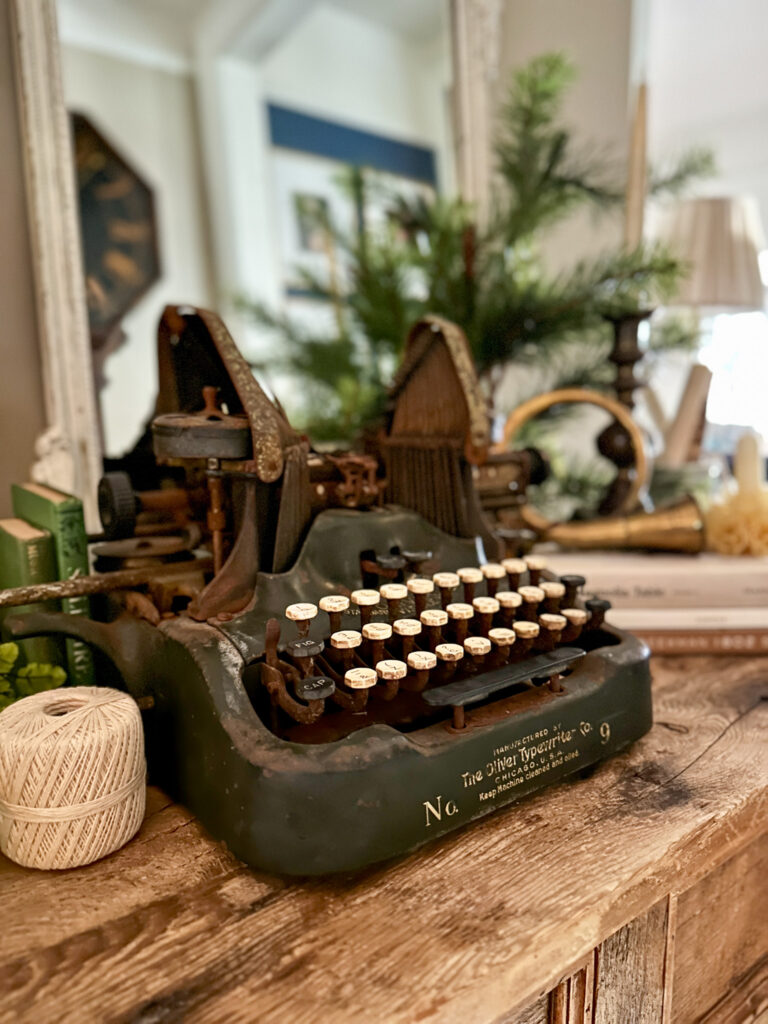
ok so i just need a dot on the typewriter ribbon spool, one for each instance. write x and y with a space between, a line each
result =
72 776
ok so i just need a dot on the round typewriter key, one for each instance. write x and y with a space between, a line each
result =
486 608
305 648
493 570
334 605
576 616
391 669
360 678
419 585
502 637
346 639
446 580
434 617
573 585
449 652
510 601
470 574
536 565
301 612
366 600
514 568
597 607
577 620
554 623
494 573
446 583
526 633
393 594
420 588
470 577
554 592
422 661
461 614
514 565
532 598
477 645
459 610
377 631
315 688
406 627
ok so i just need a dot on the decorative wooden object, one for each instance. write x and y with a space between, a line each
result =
643 900
636 462
437 431
615 442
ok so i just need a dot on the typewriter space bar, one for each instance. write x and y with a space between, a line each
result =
467 691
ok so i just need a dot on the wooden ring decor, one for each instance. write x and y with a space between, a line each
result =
520 416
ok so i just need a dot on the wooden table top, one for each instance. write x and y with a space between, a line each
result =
173 927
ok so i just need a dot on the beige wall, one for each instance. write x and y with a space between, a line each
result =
21 394
595 34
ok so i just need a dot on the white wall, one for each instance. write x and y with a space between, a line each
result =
343 67
149 115
708 85
595 35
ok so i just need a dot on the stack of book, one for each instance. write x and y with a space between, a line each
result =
45 540
679 604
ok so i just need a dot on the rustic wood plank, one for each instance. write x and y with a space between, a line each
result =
747 1004
536 1013
725 913
630 972
469 928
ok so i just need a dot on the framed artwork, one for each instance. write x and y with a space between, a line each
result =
310 163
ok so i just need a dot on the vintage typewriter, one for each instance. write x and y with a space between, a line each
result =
339 679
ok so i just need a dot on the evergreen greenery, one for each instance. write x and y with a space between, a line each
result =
432 257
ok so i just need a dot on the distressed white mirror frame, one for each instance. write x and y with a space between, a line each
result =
68 453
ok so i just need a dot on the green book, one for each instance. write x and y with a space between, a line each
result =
62 515
27 557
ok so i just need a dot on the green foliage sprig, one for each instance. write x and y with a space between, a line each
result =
18 681
433 257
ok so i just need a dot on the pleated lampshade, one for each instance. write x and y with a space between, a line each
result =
720 239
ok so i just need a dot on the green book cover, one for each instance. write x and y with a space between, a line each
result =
27 557
62 515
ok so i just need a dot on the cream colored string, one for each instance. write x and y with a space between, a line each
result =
72 776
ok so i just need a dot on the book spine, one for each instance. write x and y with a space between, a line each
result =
26 562
72 557
706 641
660 619
646 590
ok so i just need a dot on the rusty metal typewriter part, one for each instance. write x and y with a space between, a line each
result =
375 685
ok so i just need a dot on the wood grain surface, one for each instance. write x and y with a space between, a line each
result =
468 929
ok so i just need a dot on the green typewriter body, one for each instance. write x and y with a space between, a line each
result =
351 682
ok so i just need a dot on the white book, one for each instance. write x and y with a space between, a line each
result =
687 618
630 579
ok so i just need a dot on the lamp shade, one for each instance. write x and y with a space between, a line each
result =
720 239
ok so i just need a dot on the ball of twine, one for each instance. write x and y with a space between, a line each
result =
72 776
